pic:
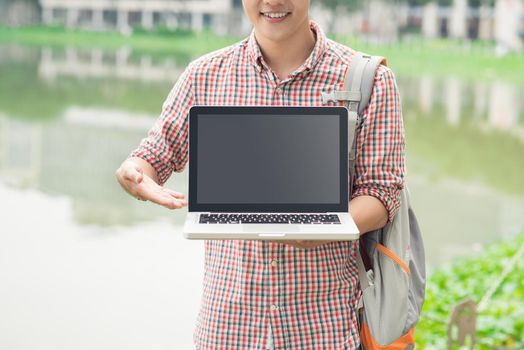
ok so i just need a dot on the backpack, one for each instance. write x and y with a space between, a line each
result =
391 263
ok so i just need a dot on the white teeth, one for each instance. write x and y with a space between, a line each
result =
275 15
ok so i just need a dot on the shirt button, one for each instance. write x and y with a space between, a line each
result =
274 307
278 90
274 263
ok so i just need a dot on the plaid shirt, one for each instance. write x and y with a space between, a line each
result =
308 296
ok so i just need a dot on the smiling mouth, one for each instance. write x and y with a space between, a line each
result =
275 15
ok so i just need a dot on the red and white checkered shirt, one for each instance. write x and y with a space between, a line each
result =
308 296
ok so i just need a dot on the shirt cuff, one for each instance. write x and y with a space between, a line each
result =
163 171
389 196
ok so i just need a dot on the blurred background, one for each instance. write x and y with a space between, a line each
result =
85 266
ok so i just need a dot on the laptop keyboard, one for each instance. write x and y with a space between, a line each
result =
269 219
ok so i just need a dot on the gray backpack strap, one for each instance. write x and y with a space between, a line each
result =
360 78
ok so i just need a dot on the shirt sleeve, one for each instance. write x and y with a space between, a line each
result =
166 145
380 153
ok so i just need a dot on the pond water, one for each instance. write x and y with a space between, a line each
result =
85 266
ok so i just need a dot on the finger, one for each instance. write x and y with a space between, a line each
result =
296 244
160 197
140 176
133 175
167 202
305 244
173 193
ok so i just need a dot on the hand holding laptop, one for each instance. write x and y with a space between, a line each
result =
133 180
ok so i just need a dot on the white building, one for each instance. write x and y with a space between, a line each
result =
503 23
509 25
218 15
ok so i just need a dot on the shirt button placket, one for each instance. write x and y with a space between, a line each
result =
273 306
274 264
279 95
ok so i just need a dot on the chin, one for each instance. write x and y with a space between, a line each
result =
274 34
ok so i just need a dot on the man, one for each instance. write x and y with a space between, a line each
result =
279 294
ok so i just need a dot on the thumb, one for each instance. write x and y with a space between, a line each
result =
139 176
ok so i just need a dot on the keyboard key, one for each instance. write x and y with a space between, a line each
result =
269 219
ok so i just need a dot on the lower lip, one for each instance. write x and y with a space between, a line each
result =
275 20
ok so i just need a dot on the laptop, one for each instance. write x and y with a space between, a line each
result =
268 173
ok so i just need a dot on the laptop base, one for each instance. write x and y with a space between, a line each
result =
346 230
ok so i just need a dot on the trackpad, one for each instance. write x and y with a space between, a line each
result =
267 230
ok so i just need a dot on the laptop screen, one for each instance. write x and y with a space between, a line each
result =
268 159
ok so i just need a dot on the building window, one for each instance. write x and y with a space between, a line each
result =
208 20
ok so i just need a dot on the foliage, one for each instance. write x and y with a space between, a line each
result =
501 324
160 40
472 61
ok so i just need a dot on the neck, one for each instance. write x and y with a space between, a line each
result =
297 49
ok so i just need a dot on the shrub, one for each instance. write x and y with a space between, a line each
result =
500 325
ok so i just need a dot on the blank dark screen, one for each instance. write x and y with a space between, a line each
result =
266 159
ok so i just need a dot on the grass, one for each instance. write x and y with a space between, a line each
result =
415 57
160 41
470 61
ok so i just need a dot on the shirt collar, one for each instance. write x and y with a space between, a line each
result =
256 58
